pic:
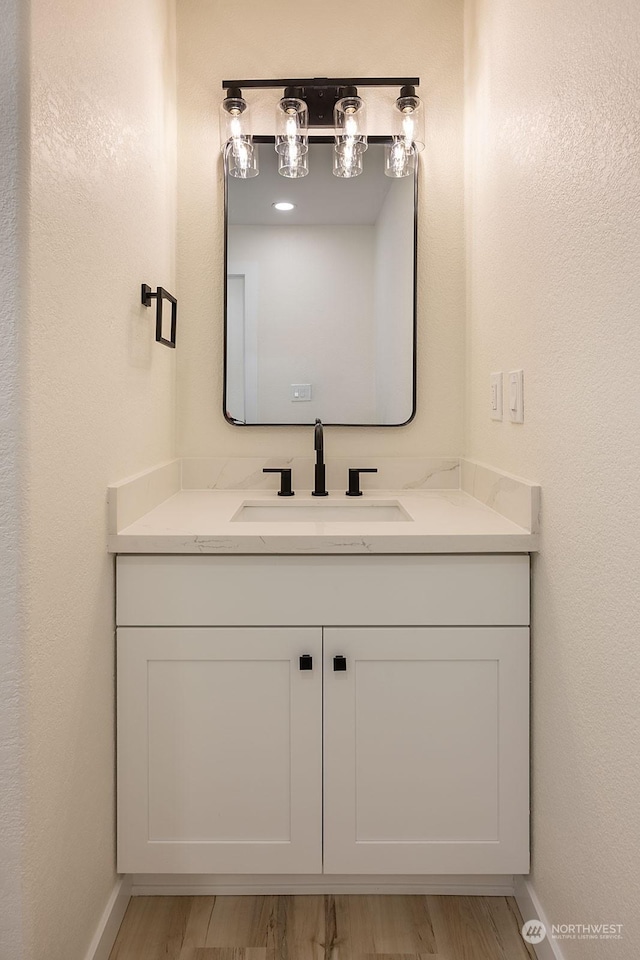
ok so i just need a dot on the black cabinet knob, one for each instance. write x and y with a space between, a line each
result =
306 662
339 664
285 480
354 480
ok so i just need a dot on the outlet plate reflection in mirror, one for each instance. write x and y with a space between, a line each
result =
323 295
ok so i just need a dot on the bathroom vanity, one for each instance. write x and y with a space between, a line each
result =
330 678
341 697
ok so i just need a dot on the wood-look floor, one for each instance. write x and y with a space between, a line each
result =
321 928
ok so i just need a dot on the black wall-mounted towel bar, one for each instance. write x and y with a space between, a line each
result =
161 294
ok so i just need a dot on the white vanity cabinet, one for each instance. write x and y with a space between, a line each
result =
219 750
426 750
401 748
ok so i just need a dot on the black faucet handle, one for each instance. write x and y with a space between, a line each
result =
285 480
354 480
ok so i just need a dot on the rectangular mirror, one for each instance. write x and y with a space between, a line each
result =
320 299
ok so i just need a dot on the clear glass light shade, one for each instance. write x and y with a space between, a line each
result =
292 123
408 121
292 141
347 159
292 164
398 160
242 158
350 121
241 154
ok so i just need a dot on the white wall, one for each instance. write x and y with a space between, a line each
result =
553 221
13 158
99 406
303 312
393 303
268 39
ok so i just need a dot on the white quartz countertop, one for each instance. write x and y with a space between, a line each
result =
442 521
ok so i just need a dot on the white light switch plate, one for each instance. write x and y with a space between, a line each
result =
495 396
515 396
300 391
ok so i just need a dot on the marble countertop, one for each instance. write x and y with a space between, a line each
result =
443 521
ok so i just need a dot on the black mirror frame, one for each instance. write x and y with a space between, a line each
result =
241 423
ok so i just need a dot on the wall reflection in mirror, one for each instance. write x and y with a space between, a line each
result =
320 294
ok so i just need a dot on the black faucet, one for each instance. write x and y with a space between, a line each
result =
318 445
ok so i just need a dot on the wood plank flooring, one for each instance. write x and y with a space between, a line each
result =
321 928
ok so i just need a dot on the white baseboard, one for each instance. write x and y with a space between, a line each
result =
107 930
530 908
175 885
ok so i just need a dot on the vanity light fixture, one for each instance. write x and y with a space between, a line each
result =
240 152
315 102
292 141
407 132
283 205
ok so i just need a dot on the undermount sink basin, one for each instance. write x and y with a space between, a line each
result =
388 511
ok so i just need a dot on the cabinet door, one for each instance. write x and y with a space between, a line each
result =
219 750
426 750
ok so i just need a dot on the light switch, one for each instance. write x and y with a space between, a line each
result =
515 402
300 391
495 409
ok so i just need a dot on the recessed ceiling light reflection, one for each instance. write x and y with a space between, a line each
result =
283 205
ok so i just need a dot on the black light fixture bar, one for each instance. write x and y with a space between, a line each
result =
321 93
324 82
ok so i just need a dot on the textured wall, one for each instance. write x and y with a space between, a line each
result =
265 38
553 226
100 406
13 157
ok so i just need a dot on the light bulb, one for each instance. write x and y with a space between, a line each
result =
408 124
293 152
291 125
398 157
